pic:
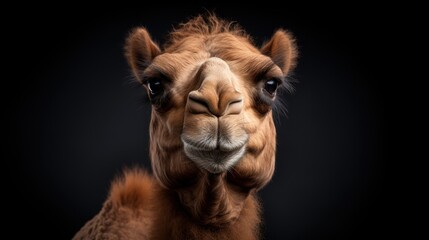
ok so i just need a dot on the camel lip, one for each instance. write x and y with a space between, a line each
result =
215 145
218 148
214 161
211 154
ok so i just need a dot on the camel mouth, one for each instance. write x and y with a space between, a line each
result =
215 159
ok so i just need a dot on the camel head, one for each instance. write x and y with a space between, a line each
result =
212 92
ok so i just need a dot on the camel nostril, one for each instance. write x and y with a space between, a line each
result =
236 101
199 101
198 104
234 107
227 104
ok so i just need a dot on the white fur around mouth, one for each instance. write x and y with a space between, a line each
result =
214 161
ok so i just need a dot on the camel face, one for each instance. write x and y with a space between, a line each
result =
212 91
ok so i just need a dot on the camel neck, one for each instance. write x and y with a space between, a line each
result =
212 201
212 210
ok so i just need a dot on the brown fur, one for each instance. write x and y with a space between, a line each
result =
216 61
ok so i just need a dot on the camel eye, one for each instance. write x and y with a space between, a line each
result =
155 86
158 94
271 86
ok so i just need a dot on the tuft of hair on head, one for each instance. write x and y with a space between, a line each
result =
205 25
133 189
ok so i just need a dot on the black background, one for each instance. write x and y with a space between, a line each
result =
80 120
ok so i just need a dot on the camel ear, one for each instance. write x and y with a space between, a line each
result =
282 50
140 50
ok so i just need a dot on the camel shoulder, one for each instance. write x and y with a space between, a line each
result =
126 213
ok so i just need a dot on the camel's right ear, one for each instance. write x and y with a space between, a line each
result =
282 50
140 50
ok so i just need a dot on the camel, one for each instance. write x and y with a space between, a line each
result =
212 134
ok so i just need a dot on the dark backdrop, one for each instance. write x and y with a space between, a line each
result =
80 121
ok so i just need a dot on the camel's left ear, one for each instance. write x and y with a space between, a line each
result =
282 50
140 50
